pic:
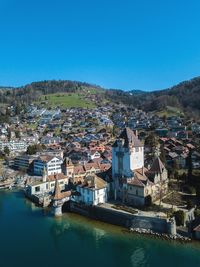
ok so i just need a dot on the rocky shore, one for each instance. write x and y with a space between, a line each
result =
176 237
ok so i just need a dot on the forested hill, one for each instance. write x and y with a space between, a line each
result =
31 92
185 96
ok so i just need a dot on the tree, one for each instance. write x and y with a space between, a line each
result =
33 149
151 141
7 151
179 217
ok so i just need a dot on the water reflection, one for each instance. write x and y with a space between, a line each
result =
98 235
58 228
138 258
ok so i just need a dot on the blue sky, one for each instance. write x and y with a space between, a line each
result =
127 44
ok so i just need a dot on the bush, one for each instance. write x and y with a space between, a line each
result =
179 217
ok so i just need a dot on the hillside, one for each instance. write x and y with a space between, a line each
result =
74 93
184 97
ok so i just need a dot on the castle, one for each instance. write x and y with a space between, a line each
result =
132 182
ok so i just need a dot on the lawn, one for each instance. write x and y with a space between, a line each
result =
66 100
169 111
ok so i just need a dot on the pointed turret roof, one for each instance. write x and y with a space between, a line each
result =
57 195
129 138
157 166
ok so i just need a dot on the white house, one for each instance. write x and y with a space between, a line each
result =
52 164
94 155
47 184
14 145
92 191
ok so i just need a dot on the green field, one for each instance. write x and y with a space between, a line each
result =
66 100
169 111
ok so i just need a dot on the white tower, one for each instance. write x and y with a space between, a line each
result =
127 156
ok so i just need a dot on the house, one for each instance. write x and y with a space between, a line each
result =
47 184
24 162
14 145
93 155
51 163
47 140
77 172
92 191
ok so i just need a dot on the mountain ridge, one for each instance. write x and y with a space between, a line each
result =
185 95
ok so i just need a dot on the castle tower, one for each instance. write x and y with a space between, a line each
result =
57 200
127 156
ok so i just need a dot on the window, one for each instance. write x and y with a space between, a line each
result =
137 149
37 189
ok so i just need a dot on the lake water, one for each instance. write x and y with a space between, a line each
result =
30 236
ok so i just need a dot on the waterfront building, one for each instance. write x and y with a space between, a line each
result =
92 191
52 165
132 182
46 184
59 198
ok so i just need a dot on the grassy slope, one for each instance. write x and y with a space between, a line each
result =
169 111
66 100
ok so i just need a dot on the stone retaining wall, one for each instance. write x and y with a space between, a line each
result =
156 224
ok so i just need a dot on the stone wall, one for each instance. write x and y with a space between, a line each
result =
156 224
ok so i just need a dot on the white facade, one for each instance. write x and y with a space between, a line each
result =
126 159
52 166
14 146
46 187
91 196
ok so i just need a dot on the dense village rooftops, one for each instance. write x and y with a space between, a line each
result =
129 138
47 158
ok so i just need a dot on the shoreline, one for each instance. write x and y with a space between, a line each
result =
128 230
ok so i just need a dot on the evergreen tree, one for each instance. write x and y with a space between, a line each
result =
7 151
